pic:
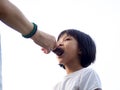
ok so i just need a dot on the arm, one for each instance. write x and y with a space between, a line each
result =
13 17
98 89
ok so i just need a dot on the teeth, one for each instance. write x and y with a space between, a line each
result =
58 51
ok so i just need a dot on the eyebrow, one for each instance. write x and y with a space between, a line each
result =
66 37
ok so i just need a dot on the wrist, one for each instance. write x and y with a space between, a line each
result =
35 36
34 30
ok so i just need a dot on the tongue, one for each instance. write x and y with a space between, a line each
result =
58 51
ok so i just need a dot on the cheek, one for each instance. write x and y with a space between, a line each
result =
72 47
72 50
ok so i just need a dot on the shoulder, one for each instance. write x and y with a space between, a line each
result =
90 74
90 79
88 71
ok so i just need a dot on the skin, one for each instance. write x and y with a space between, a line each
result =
14 18
70 57
98 89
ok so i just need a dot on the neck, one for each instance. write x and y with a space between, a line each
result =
72 68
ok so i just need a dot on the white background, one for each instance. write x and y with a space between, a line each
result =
26 67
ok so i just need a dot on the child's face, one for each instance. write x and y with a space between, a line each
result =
70 47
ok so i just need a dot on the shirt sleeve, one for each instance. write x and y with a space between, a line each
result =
90 81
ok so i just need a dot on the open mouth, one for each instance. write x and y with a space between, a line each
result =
58 51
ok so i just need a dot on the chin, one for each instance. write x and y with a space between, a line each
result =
61 61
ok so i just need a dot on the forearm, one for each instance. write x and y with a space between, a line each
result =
13 17
98 89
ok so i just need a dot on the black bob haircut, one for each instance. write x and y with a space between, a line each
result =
85 44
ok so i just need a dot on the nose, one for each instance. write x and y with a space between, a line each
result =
60 44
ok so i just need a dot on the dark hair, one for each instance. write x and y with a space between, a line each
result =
85 44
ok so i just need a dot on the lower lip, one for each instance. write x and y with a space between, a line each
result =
61 56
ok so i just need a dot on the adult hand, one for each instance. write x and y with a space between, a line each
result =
48 42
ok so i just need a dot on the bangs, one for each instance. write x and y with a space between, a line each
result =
70 32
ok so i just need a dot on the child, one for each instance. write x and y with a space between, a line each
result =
79 52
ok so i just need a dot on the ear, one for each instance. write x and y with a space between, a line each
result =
79 52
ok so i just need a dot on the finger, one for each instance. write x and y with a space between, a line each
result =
45 50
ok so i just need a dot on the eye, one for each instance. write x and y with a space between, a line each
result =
67 39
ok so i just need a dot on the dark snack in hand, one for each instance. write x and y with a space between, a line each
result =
58 51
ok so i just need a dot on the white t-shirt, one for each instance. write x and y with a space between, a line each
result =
84 79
